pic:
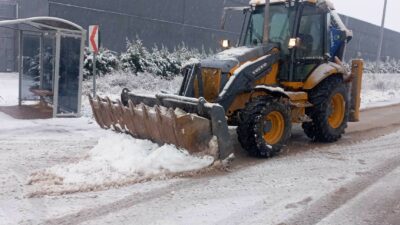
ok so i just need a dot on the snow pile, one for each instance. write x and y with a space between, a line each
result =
116 160
380 90
137 58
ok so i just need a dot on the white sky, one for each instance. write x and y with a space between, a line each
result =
371 11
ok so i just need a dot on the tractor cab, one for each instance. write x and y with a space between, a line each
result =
307 33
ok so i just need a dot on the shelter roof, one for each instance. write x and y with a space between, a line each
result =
45 23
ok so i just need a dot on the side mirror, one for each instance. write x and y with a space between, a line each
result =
226 44
294 42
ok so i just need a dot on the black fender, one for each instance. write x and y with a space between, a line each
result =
244 77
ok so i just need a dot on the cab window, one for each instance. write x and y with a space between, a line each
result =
312 45
311 33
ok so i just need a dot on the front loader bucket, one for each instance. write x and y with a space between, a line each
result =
160 120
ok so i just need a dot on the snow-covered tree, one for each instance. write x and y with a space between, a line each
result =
164 63
136 58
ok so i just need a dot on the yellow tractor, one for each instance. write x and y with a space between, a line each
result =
285 69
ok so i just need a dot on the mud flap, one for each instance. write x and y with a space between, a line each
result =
161 120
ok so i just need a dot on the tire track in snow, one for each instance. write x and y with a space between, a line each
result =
127 202
318 210
364 182
379 204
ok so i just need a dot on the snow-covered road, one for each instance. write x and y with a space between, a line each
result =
354 181
320 185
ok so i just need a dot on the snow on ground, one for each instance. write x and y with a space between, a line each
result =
118 159
380 90
55 156
296 186
8 89
265 192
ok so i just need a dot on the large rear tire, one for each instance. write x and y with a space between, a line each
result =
265 126
330 112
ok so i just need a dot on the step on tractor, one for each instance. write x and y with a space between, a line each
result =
285 69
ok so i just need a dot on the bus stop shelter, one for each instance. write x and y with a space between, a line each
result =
50 63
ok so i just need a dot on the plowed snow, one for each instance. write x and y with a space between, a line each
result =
116 160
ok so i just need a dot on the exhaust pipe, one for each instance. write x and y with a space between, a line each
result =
266 22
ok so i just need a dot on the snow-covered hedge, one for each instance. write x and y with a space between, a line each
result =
107 62
145 83
157 61
137 58
390 66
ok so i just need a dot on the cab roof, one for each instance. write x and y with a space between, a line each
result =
262 2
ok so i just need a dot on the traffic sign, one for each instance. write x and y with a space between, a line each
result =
94 38
94 45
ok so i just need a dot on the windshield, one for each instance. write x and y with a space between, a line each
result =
281 23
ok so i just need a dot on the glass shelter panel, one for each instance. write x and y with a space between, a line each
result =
30 77
68 82
48 54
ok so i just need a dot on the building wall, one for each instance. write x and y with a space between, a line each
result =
366 40
171 22
7 36
167 22
31 8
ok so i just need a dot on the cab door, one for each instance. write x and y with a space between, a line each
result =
312 33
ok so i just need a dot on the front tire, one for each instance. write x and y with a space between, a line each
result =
330 112
265 126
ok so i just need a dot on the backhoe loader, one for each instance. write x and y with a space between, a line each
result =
286 68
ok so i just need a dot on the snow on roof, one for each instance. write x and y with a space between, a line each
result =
45 23
256 2
248 63
232 53
262 2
